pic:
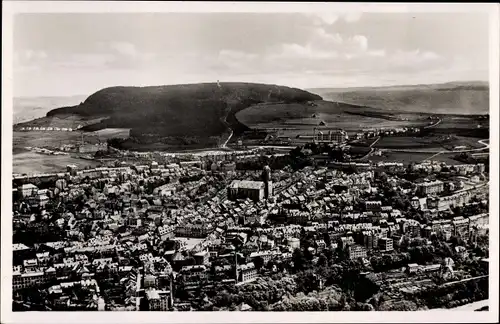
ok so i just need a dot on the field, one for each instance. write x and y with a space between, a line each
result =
300 119
30 162
407 142
25 161
50 139
413 157
62 121
112 133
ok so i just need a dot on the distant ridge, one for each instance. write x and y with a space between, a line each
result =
459 97
406 86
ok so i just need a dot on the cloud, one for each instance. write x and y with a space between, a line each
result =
29 56
296 51
402 58
227 54
330 18
124 48
321 37
84 60
324 45
378 53
327 18
125 54
352 17
355 45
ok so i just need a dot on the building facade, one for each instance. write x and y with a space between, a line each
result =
242 189
431 187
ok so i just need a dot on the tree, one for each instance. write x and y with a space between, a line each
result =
299 261
307 281
258 262
322 260
327 239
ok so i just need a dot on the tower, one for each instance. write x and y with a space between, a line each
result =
268 184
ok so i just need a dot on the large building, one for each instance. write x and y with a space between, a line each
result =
373 205
242 189
255 190
28 190
336 136
158 300
431 187
268 184
92 148
356 251
385 244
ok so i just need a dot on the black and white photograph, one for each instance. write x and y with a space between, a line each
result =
222 159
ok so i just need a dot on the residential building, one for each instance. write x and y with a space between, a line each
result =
373 205
431 187
356 251
247 272
386 244
28 190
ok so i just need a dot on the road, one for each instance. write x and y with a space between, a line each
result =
435 124
464 280
375 142
224 120
486 146
431 156
227 141
371 150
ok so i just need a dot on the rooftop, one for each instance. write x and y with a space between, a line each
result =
247 184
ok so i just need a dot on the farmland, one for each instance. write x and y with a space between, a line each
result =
112 133
25 161
294 119
30 162
413 157
50 139
61 121
407 142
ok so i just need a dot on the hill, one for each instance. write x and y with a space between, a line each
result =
449 98
202 113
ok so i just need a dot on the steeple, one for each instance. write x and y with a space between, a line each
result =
268 185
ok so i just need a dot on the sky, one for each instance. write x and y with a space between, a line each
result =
64 54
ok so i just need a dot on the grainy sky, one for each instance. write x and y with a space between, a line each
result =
80 53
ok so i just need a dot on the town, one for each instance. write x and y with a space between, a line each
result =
261 231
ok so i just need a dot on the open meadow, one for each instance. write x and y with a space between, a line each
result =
294 119
32 163
407 158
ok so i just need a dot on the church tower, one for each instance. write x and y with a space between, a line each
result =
268 184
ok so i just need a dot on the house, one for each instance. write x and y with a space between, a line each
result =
461 252
247 272
412 268
356 251
27 190
385 244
